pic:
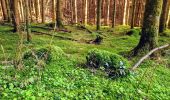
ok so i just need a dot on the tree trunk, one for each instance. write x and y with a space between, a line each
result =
42 11
27 19
75 10
99 4
15 15
114 15
4 10
150 29
86 12
37 10
163 18
133 14
8 11
59 23
125 12
53 10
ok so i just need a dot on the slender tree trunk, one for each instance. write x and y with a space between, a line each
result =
8 11
75 10
108 12
163 18
125 12
53 10
42 11
114 14
86 12
4 10
150 29
37 10
59 23
15 15
133 14
27 19
99 4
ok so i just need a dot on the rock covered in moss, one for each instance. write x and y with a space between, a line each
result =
110 61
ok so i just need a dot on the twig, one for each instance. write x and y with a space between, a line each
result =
146 56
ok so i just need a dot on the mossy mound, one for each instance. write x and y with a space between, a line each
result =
115 63
134 32
46 55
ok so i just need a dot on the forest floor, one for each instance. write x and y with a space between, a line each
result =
68 79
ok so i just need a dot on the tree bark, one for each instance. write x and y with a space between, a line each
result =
59 23
133 14
114 14
27 19
15 15
163 18
99 4
42 11
150 29
4 10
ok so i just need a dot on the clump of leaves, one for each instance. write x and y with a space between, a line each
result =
46 54
134 32
115 64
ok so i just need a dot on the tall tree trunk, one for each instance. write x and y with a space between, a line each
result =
99 4
124 12
8 11
163 18
150 29
43 11
133 14
37 10
53 10
108 12
15 15
27 19
86 12
75 10
114 14
59 23
4 10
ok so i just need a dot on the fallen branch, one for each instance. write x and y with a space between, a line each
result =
60 37
150 53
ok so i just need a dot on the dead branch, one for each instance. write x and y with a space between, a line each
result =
150 53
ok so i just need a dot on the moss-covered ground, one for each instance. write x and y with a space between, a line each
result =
69 79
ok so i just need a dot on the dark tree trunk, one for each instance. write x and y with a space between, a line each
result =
150 29
15 15
133 14
43 11
163 18
99 4
58 15
27 19
114 14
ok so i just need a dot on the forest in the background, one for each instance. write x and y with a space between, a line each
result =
84 49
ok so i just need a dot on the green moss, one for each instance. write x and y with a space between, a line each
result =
100 58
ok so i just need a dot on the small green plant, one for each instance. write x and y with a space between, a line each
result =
114 63
45 54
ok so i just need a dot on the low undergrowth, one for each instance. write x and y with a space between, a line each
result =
63 77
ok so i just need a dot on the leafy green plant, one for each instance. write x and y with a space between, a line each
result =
114 63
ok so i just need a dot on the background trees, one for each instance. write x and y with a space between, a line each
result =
79 11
